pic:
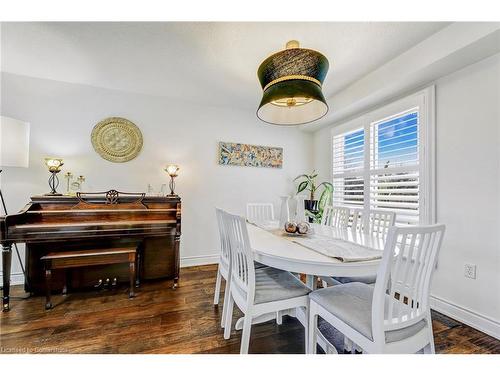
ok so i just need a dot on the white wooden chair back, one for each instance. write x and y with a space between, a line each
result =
356 220
335 216
380 221
225 255
404 274
377 223
259 212
242 263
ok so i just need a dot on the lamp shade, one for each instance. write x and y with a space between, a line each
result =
14 142
172 170
291 81
54 164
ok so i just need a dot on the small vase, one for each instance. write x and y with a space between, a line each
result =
300 212
285 210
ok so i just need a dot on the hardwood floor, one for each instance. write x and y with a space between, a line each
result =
162 320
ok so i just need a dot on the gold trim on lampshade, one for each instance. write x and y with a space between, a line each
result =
291 82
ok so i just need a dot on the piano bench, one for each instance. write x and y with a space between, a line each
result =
84 258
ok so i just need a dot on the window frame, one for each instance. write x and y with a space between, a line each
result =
425 101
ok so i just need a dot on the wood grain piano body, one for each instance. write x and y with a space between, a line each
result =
51 224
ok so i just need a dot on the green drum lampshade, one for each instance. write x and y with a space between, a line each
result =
291 81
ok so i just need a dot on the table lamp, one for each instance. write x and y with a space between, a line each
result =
54 165
172 171
14 152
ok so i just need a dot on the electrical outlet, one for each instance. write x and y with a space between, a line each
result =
470 271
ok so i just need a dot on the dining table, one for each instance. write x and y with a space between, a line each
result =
273 247
278 249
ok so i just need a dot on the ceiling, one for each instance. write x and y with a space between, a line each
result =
211 63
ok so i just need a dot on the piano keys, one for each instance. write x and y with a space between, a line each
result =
89 221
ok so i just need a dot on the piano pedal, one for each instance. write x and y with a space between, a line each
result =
99 284
106 284
114 283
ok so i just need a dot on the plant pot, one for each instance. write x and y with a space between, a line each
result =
312 207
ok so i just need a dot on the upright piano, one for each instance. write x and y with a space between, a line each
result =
89 221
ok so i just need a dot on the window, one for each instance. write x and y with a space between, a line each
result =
383 160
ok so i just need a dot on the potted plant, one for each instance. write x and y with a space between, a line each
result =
314 208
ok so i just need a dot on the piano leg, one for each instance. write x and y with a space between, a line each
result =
48 285
132 279
6 263
177 261
138 270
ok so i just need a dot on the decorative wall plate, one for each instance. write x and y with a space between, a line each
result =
117 139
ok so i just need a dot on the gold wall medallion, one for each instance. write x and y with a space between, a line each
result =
117 139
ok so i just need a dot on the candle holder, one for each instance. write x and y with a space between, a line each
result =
172 171
68 176
54 165
80 180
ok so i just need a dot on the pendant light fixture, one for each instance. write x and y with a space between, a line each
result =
291 80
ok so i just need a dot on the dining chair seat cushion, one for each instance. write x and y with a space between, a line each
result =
361 279
272 284
352 303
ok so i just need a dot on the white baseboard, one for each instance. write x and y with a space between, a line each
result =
471 318
199 260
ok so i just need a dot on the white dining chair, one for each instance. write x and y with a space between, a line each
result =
335 216
257 291
338 217
376 223
224 266
356 220
260 212
394 315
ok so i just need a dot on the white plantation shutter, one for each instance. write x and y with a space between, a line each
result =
397 192
394 166
380 162
348 166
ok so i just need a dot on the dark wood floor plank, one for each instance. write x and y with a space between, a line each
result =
162 320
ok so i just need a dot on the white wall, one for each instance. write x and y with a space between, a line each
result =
468 191
468 186
62 116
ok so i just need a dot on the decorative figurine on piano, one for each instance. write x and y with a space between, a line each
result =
77 186
68 176
73 187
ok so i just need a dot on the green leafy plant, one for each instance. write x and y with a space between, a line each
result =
325 199
309 183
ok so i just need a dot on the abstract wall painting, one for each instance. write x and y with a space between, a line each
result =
244 155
